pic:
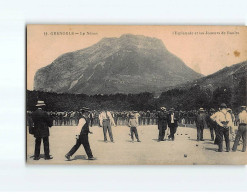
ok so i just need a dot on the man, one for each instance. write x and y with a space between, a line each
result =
115 117
232 133
140 118
41 122
106 120
224 122
162 123
91 116
137 116
172 123
213 118
200 121
133 123
82 136
211 124
242 128
148 114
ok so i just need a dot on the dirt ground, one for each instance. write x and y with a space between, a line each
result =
185 150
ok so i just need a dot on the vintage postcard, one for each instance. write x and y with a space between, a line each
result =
136 95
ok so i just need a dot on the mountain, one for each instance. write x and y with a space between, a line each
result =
128 64
226 77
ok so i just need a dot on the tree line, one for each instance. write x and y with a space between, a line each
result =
181 99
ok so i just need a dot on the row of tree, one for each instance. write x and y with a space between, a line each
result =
181 99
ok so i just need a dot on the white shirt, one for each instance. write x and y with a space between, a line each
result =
81 123
222 116
103 116
242 117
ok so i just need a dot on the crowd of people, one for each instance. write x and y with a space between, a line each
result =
220 122
71 118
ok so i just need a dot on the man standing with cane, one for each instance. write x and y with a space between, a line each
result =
82 136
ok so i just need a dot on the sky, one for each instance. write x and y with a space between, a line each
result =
205 49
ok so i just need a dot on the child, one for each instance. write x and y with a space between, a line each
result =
133 123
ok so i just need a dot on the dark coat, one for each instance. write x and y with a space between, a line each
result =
176 117
162 120
42 122
85 128
200 120
210 123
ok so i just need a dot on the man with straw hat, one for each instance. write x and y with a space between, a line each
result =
224 122
82 135
42 122
162 123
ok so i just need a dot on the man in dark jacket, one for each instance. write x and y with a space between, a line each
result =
82 137
162 123
200 122
172 123
211 124
41 122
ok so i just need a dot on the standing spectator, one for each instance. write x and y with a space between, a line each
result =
91 118
232 132
162 123
172 123
60 119
200 122
41 122
133 123
106 120
242 128
148 117
137 116
115 117
224 122
211 124
140 118
144 118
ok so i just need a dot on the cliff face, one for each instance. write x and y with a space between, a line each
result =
129 64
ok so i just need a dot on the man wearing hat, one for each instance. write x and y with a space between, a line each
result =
106 120
200 121
224 122
172 120
133 123
42 122
162 123
82 135
242 128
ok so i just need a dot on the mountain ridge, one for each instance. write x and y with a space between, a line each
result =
128 64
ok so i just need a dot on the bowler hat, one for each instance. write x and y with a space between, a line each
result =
40 103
